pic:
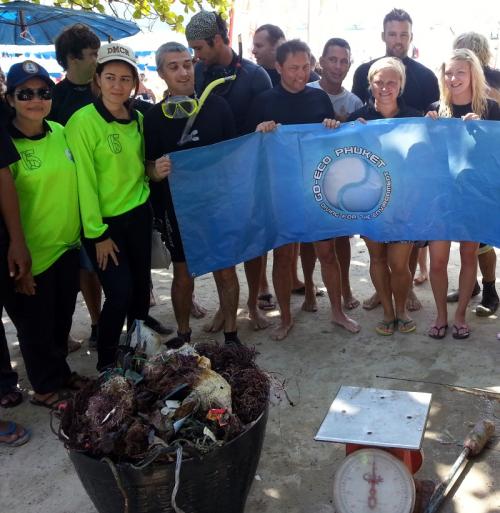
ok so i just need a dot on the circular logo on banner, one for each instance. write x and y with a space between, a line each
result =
353 184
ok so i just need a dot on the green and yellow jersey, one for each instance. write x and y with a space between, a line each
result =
46 184
109 158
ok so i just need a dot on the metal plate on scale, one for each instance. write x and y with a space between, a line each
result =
375 417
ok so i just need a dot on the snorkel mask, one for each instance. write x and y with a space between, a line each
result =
180 107
185 107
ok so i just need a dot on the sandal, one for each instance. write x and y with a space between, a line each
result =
11 398
53 401
460 332
385 328
265 302
406 325
301 291
76 381
438 332
12 429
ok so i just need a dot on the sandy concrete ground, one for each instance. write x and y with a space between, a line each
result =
295 472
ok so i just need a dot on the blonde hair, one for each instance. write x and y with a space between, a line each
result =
388 63
475 42
478 84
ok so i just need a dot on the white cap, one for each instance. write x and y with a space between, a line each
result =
116 52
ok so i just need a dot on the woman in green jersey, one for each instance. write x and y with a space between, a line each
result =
106 140
45 179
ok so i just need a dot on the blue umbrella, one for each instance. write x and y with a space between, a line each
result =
26 23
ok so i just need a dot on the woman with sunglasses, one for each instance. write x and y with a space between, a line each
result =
464 95
106 140
389 260
45 180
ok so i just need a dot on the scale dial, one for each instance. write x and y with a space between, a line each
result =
373 481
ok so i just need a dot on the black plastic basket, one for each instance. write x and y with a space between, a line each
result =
219 482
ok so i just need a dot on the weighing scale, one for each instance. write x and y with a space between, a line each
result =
383 432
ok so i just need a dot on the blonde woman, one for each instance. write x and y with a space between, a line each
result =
389 261
463 95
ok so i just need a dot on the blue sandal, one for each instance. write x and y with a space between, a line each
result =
21 439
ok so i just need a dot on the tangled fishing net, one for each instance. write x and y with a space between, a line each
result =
197 399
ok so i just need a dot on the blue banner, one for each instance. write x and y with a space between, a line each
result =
405 179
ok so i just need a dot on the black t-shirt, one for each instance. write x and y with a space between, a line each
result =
214 123
8 155
68 98
421 87
369 112
251 80
492 110
309 106
276 77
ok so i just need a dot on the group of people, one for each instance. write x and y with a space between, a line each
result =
84 171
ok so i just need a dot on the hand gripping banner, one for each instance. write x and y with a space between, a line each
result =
391 180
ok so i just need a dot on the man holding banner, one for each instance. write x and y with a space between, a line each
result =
165 132
207 35
291 102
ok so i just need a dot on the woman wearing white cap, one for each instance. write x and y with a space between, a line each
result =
106 140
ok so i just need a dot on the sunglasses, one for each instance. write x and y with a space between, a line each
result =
26 95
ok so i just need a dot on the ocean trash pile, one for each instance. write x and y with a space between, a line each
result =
196 398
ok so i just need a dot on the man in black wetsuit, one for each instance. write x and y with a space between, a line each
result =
420 91
292 102
207 35
163 127
421 83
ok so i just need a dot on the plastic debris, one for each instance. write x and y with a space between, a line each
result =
195 398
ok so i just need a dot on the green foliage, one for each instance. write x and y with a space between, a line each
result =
169 11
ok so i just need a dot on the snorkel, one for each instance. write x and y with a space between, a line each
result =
187 135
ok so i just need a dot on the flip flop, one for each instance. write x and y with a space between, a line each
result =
385 328
11 398
52 402
301 291
461 332
406 326
438 332
266 302
21 439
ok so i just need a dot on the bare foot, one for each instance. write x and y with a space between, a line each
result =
421 278
345 322
412 302
350 302
216 324
372 302
257 319
310 306
281 331
197 310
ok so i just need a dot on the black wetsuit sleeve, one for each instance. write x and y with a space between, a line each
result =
260 82
255 116
229 124
360 83
8 152
493 113
150 138
360 113
431 89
